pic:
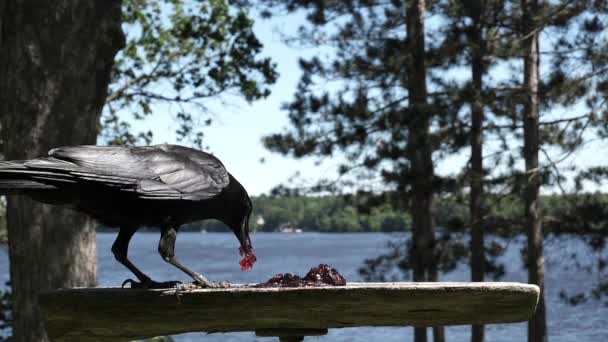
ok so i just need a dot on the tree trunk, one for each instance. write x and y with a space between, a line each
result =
476 175
54 71
420 157
537 327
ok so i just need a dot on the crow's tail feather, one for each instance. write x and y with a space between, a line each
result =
16 178
15 187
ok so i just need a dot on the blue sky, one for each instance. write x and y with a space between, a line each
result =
238 127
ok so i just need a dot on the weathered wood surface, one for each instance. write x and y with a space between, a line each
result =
114 314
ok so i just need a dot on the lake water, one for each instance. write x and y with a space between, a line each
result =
216 256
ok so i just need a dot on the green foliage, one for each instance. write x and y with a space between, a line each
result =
317 213
182 53
583 215
364 114
325 214
355 102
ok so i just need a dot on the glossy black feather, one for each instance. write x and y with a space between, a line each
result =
146 185
129 187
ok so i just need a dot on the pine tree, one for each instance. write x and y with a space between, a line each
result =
480 24
366 114
381 117
537 327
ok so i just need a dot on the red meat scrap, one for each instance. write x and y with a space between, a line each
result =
248 258
322 275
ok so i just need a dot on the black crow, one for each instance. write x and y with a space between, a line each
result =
129 187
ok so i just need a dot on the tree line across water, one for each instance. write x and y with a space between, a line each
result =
582 214
585 215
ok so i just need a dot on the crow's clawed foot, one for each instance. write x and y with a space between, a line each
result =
202 282
213 285
224 284
150 284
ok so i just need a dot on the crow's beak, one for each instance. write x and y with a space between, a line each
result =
243 235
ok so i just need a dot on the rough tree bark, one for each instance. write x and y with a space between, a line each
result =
420 156
54 71
476 175
537 327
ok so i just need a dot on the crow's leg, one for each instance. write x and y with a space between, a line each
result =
166 248
120 250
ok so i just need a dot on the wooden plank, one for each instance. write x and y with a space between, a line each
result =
115 314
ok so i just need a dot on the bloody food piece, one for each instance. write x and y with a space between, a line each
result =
248 258
323 275
283 280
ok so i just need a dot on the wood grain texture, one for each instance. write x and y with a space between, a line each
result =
98 314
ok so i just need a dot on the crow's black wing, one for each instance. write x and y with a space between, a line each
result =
152 172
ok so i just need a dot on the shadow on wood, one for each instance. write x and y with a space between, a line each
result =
115 314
